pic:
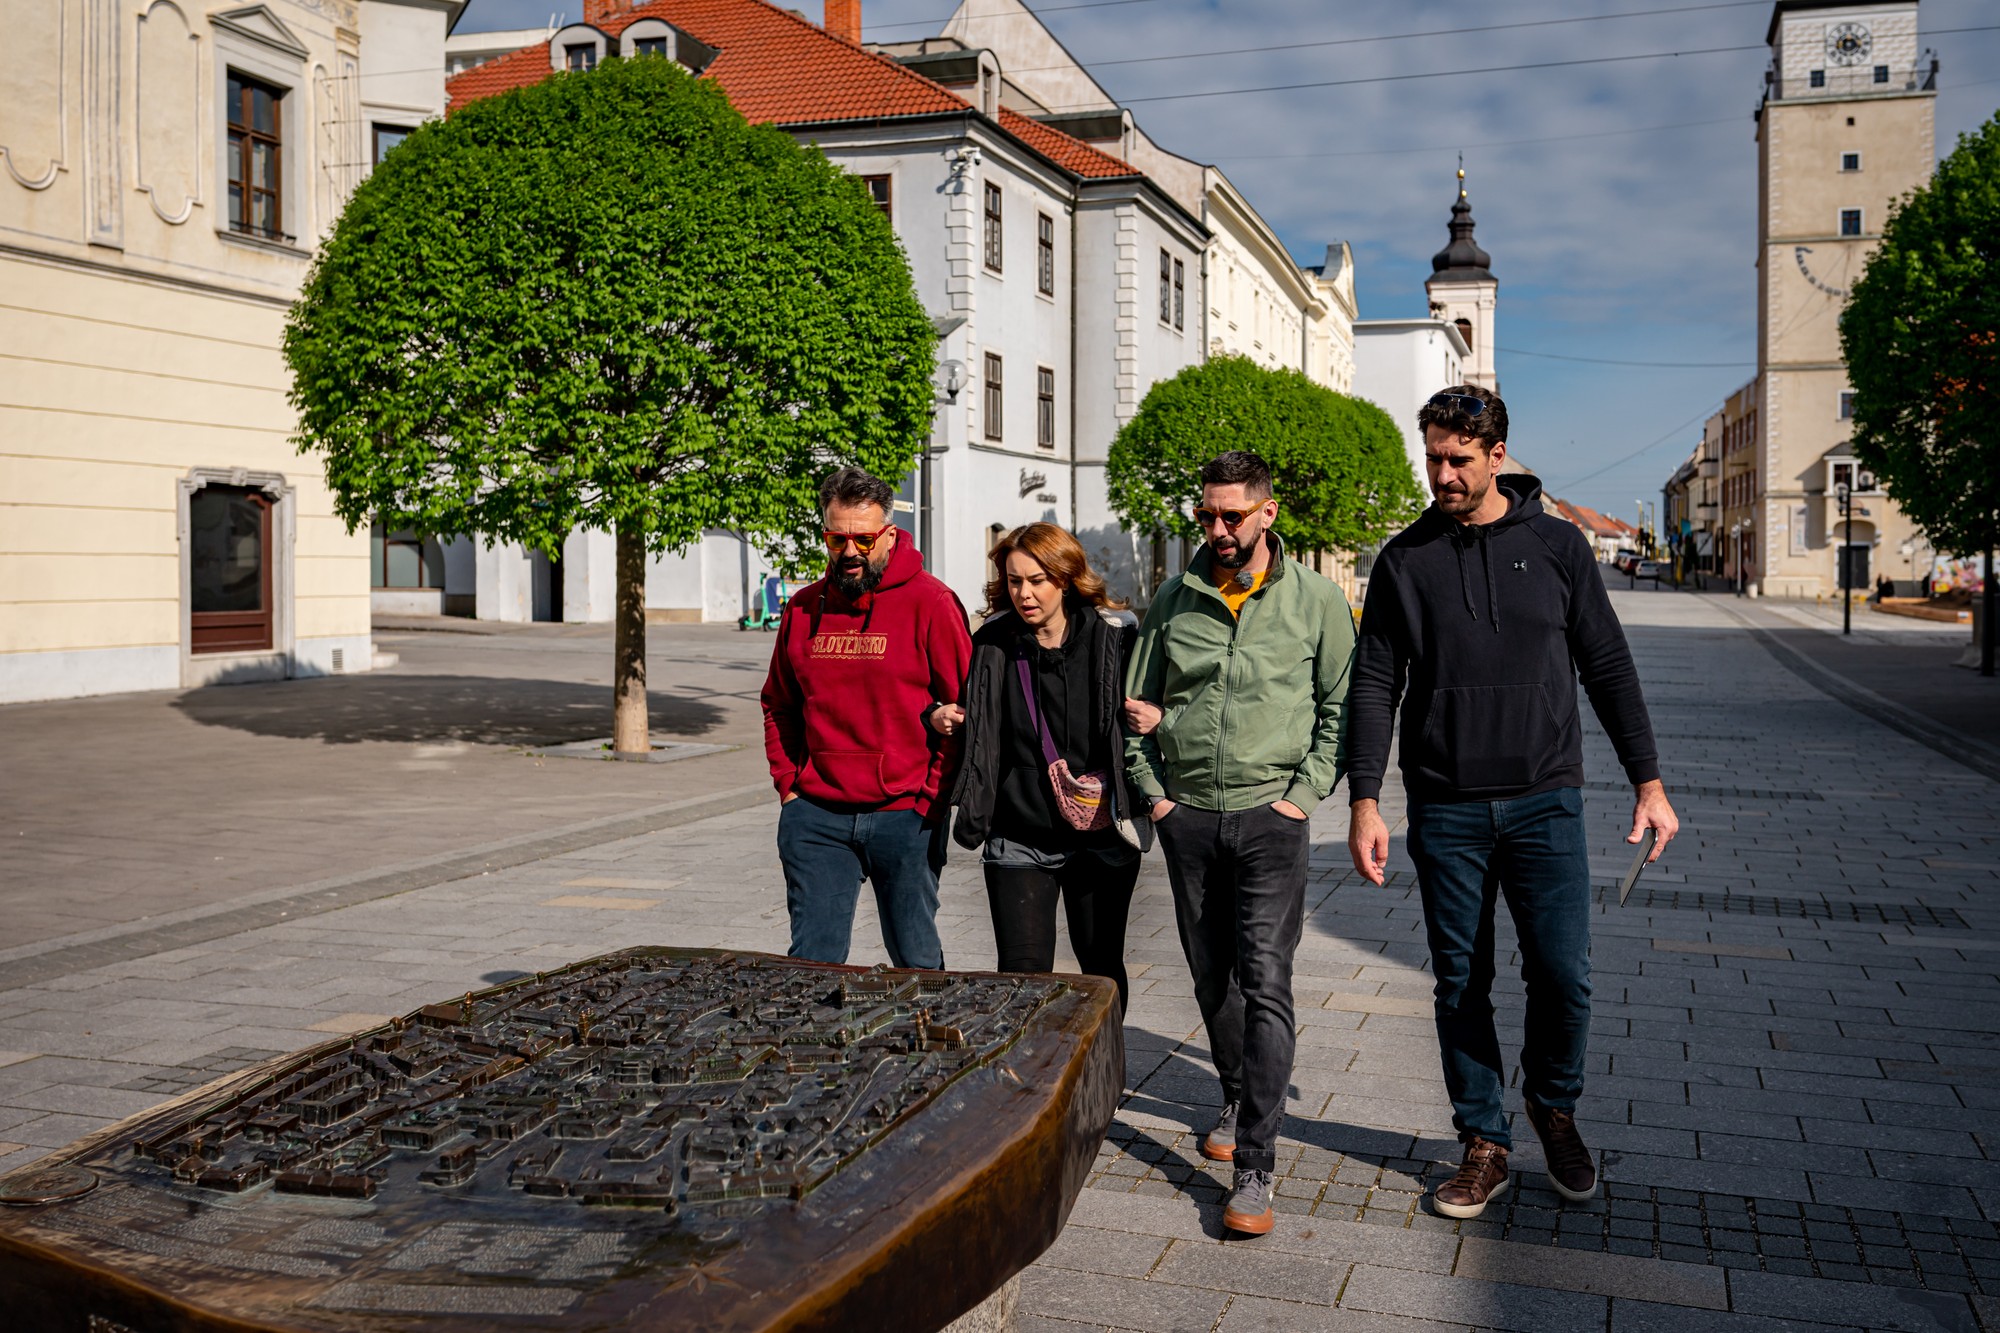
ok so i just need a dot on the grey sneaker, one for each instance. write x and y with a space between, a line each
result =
1249 1206
1219 1144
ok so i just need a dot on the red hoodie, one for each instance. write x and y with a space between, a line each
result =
850 684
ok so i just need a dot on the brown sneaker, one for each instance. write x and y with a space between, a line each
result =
1482 1177
1572 1170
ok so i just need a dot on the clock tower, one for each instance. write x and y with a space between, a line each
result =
1845 128
1463 291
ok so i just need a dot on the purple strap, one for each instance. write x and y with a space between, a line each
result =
1049 754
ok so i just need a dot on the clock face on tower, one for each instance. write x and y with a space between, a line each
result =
1848 43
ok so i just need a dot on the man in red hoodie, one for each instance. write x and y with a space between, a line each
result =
864 658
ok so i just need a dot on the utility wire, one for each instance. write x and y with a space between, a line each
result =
1402 36
1651 365
1644 448
1496 143
1484 69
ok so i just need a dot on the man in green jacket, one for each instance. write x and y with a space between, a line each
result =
1247 656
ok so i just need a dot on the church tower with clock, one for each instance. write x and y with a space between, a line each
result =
1845 128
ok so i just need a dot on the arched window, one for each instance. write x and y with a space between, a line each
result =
1465 331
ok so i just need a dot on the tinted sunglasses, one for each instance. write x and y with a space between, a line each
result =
1458 402
1231 518
864 542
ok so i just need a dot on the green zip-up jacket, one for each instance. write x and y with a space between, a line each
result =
1254 706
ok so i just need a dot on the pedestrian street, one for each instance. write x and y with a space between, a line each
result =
1794 1079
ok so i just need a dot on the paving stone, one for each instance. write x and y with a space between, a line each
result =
1482 1304
1830 1302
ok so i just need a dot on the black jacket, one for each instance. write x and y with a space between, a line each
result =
1482 632
983 759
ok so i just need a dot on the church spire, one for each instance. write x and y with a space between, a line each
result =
1461 260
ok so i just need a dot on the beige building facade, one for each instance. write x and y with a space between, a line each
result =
169 167
1846 127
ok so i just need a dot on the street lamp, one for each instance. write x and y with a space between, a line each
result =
1845 565
1736 555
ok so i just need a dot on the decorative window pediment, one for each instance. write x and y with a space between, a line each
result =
259 24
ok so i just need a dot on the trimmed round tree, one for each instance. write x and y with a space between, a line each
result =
1337 463
609 302
1921 334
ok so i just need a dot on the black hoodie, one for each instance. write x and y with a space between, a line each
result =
1482 632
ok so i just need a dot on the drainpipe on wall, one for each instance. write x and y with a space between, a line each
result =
1072 368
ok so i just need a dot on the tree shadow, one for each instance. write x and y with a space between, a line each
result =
485 710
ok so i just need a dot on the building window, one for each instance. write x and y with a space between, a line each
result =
994 398
1847 404
1045 408
387 137
1180 295
403 559
1465 331
993 253
1817 78
581 56
1166 288
256 158
649 46
878 190
1850 161
1045 254
1850 222
1881 74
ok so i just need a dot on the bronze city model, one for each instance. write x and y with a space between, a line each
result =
655 1139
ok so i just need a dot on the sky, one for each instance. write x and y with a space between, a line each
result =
1617 198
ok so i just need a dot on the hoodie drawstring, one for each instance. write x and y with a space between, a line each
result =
1479 536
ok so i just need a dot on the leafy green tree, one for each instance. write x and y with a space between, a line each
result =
1337 463
1921 334
607 301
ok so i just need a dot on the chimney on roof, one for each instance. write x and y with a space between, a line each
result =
843 20
596 11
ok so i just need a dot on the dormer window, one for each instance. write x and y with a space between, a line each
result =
649 46
580 56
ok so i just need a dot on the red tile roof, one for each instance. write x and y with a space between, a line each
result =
778 67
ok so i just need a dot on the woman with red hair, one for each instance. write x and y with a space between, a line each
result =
1041 786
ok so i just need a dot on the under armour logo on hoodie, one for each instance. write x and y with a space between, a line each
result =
1520 564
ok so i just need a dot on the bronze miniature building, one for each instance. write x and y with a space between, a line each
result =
655 1139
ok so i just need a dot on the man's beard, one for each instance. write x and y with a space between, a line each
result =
853 582
1240 552
1462 502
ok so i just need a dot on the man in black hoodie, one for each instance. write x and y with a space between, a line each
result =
1480 617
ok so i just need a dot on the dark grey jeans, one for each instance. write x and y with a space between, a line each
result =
1239 899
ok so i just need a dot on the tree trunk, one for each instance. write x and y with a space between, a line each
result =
1986 626
630 736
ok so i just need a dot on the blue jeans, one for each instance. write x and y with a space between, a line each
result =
1533 850
826 856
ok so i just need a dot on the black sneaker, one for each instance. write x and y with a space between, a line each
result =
1249 1206
1219 1144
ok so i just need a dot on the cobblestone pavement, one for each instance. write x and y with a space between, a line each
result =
1795 1068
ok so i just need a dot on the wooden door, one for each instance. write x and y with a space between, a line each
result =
229 593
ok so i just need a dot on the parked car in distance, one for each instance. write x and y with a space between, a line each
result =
1624 560
1649 569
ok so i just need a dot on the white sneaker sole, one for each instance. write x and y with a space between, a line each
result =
1572 1195
1470 1210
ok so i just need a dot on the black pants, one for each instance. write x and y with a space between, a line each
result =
1239 899
1096 899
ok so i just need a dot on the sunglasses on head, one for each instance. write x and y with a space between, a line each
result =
864 542
1458 402
1231 518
